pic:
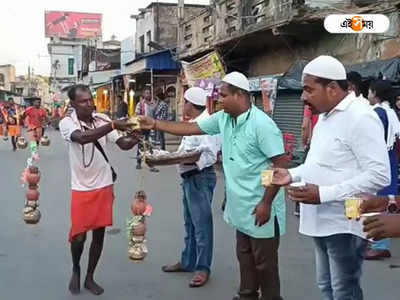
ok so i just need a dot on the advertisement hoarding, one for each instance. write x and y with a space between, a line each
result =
72 25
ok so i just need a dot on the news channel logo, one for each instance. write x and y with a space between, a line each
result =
370 23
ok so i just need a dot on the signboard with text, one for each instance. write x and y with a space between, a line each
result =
209 66
72 25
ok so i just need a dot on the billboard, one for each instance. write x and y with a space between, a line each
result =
72 25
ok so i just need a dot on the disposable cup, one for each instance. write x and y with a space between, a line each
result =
352 208
266 177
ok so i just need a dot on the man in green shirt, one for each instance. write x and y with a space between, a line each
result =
251 144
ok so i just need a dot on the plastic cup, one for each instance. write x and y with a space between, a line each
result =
352 208
266 177
297 184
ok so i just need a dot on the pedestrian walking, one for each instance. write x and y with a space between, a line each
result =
35 118
145 107
11 121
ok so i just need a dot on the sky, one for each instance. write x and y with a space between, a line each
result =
23 42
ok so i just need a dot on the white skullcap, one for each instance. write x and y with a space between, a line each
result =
237 79
327 67
196 95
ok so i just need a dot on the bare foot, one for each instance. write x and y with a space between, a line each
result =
93 287
75 283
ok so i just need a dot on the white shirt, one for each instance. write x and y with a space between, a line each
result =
347 156
362 100
98 174
209 145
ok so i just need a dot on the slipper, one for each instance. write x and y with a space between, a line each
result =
199 279
173 268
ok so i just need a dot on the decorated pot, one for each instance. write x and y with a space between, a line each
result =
33 186
136 252
138 207
33 204
45 141
28 209
32 217
139 229
33 170
137 239
33 178
22 143
32 195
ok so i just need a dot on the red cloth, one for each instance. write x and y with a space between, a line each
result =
308 114
35 117
91 210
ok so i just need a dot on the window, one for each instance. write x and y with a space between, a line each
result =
141 44
70 66
2 79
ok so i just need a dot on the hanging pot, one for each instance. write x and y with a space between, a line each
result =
33 186
139 229
33 179
45 141
138 207
32 204
22 143
33 170
139 204
32 217
32 195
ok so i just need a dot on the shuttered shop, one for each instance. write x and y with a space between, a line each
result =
288 113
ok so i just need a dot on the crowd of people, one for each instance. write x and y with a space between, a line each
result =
351 144
14 117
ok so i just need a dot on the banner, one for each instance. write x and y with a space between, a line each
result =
72 25
207 67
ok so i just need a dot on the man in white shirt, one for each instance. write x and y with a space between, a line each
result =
199 180
354 80
92 177
347 156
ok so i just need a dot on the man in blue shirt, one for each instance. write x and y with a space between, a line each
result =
251 144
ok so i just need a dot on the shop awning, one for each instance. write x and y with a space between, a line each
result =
389 69
158 61
99 85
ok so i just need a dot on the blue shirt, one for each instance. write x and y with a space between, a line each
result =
248 144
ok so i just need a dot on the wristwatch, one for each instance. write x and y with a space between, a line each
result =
393 206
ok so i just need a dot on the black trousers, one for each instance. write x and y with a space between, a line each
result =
259 270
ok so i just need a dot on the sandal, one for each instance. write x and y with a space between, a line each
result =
173 268
199 279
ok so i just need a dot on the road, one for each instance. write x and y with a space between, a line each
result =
35 260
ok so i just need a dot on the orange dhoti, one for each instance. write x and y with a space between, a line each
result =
91 210
14 130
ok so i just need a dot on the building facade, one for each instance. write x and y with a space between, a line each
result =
7 77
265 39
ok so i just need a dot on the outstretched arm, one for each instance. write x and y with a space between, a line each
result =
176 128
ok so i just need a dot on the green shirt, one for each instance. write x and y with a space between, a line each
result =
247 148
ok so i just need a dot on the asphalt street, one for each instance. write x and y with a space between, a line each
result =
35 261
